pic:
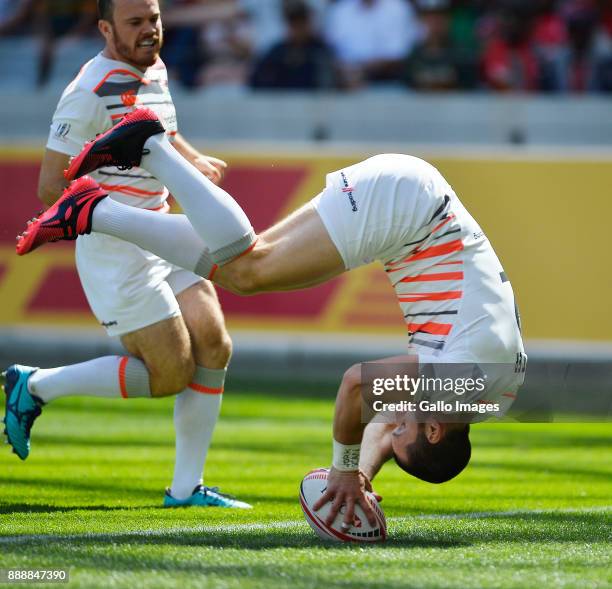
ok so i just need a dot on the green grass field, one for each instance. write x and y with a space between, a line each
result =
533 510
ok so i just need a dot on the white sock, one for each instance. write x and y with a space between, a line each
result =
196 410
171 237
109 376
215 215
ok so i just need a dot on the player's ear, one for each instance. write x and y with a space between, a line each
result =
106 29
434 431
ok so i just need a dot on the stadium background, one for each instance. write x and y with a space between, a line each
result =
531 163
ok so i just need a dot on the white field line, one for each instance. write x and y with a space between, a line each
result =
24 539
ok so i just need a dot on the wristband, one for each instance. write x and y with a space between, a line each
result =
346 458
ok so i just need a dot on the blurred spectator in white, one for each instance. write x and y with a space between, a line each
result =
302 61
585 64
509 61
437 63
371 38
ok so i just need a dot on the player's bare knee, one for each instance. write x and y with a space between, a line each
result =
213 347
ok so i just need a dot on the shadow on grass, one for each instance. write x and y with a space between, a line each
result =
231 536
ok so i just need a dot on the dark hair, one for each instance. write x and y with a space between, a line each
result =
105 9
438 463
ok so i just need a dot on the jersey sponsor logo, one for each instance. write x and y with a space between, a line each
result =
61 131
348 190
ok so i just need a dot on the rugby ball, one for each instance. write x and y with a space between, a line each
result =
312 487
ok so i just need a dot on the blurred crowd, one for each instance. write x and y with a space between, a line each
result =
555 46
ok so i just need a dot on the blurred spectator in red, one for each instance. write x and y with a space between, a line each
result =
549 38
62 19
509 61
436 63
371 38
585 64
302 61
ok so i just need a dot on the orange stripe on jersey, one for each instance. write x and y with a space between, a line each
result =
449 263
440 225
431 296
434 277
430 327
437 250
130 190
120 71
509 395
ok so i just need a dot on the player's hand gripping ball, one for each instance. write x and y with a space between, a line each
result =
312 487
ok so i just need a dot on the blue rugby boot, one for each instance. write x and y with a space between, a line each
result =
205 497
21 408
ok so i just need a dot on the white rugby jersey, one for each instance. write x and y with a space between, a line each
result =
104 91
451 287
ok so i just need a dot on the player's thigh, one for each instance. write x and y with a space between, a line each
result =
201 311
296 253
165 348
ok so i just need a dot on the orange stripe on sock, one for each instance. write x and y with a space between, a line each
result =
122 387
433 277
247 250
212 272
198 388
430 327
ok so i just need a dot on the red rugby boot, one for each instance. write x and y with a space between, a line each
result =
120 147
68 218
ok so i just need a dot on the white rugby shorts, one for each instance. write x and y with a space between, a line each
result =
127 287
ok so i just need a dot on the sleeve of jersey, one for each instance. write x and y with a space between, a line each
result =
78 118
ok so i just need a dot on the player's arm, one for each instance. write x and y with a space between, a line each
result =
346 484
51 181
212 167
376 448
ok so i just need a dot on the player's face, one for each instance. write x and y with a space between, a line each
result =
135 35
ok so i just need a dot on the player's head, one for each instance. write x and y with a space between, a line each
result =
132 30
432 451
